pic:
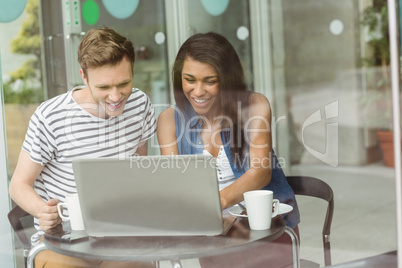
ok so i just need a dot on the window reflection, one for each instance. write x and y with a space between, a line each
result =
328 61
14 10
22 76
215 7
123 10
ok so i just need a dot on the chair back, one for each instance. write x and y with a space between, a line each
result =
15 217
313 187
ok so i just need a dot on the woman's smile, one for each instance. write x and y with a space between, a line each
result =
200 83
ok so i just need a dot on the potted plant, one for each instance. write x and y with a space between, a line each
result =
378 97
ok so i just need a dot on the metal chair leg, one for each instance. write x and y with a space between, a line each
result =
33 252
295 246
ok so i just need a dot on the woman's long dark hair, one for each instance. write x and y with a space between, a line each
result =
216 50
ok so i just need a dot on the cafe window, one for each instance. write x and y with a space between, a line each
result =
320 63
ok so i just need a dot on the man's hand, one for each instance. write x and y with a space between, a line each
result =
48 216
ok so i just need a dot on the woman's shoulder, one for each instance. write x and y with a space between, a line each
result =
166 129
259 104
167 115
257 98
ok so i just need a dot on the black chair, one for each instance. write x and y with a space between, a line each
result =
17 216
313 187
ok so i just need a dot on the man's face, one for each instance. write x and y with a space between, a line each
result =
110 87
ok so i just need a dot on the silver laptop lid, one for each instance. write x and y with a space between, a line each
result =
149 196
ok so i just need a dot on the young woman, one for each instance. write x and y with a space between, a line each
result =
216 114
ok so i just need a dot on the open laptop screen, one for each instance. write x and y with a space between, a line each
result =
149 195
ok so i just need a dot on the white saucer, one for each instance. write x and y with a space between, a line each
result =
236 210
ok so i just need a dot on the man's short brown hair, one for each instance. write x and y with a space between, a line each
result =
102 47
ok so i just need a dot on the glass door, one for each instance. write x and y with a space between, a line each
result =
64 24
21 92
316 61
6 245
337 83
143 22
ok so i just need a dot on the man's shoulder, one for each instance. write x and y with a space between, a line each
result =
54 104
138 92
138 97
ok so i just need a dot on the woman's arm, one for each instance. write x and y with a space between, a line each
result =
22 192
259 137
166 132
142 149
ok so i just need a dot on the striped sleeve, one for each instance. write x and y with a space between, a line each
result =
149 125
39 140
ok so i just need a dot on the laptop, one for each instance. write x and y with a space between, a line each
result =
150 196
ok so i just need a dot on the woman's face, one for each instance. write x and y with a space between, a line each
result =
200 83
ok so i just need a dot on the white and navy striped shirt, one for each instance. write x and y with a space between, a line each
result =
60 130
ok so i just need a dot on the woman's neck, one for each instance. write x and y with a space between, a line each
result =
212 116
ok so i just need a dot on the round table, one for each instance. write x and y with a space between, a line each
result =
165 248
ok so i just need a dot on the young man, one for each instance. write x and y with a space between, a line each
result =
106 117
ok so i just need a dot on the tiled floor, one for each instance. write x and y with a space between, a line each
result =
364 222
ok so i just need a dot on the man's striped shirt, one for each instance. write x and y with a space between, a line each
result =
60 130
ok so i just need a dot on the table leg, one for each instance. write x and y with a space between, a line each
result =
295 246
176 263
33 252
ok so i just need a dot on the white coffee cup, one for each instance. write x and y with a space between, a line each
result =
259 205
72 204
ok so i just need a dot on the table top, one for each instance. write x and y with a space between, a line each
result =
163 248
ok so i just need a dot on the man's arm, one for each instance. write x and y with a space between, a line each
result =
22 192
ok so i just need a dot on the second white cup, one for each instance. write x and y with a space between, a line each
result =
259 204
72 204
